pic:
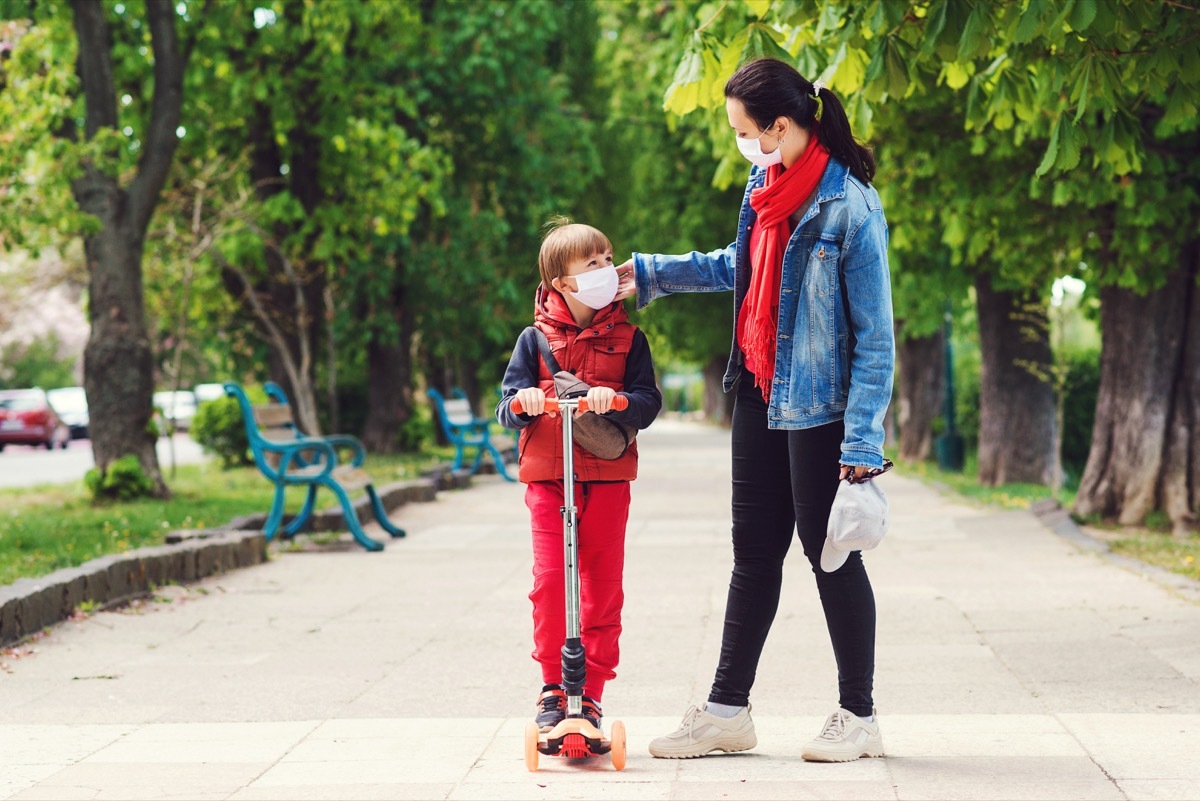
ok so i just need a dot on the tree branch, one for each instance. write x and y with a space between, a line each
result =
165 110
95 66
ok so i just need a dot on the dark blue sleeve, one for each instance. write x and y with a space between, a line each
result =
641 387
522 372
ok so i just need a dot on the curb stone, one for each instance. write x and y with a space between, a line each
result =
27 606
1053 516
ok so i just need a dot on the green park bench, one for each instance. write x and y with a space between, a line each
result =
289 458
465 430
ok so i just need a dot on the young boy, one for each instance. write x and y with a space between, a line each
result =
589 335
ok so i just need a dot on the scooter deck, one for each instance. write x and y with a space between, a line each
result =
574 738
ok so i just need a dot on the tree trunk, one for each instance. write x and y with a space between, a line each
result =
118 363
1016 396
921 371
718 406
389 383
1145 452
288 293
118 358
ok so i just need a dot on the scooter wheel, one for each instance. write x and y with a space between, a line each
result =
531 746
617 744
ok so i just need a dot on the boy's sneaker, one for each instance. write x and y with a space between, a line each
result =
701 733
845 738
591 712
551 707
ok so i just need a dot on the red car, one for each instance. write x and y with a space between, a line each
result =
26 418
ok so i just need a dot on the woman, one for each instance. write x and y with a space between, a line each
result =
811 364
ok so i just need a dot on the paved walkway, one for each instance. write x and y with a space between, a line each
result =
1011 664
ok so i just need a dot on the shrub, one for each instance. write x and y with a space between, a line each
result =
219 429
1079 409
123 481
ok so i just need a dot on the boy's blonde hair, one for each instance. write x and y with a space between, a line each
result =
564 242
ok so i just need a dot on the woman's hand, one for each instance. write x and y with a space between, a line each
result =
533 401
626 285
859 471
600 399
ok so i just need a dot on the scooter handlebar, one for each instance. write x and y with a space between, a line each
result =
620 404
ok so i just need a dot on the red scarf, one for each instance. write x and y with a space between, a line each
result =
775 202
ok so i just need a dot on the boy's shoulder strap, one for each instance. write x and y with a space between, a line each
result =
544 346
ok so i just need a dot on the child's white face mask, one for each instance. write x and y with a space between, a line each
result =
752 150
597 288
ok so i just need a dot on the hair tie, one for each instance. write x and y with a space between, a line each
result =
817 86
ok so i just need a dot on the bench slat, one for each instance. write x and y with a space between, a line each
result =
351 478
284 435
273 414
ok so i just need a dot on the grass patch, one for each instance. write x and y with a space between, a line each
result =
50 527
1162 550
1008 496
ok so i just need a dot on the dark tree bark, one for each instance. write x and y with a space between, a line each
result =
1145 451
718 406
1016 396
118 358
389 382
921 362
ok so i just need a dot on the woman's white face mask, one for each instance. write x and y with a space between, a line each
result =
752 150
597 288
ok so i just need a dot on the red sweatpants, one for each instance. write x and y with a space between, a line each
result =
603 510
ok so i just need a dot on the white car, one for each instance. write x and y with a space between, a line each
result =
71 405
177 408
208 392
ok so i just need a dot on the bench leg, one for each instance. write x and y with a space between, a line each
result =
381 513
498 459
479 451
458 456
351 517
302 518
275 516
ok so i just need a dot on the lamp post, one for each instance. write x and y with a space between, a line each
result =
949 445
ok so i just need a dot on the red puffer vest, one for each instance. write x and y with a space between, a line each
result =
597 355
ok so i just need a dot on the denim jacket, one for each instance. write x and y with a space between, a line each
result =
835 351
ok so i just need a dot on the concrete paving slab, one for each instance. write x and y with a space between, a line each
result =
1011 663
207 781
1140 746
1160 789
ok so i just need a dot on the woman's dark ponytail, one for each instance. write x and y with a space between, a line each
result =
769 88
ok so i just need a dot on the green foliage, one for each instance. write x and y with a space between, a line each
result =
656 196
122 481
36 364
1079 93
508 92
418 431
1079 413
220 430
38 103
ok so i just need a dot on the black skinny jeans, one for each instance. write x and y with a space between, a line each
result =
785 481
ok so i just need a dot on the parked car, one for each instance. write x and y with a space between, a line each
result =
208 392
177 408
26 418
70 403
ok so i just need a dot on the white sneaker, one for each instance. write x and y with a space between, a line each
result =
845 738
701 733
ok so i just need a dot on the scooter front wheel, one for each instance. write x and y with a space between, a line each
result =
532 734
617 744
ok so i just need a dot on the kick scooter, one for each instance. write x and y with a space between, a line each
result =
574 737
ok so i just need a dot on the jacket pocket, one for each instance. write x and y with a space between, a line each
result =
822 275
609 355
